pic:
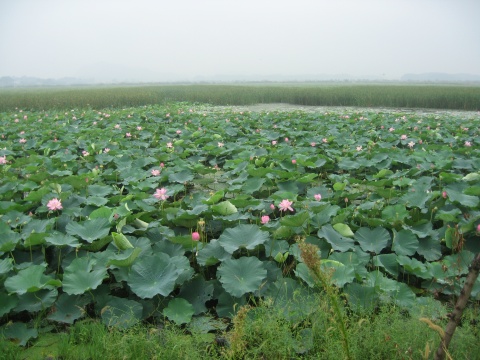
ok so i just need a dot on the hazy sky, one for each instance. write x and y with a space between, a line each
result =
188 38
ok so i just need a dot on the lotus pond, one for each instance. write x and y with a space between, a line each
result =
184 213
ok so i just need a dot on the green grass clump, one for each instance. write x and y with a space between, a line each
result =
270 330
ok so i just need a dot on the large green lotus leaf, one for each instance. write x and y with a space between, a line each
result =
89 230
181 177
413 266
182 263
361 297
324 216
388 262
283 232
451 215
395 214
68 308
121 313
405 242
215 198
212 253
404 296
8 240
372 240
248 236
60 239
455 193
36 301
337 241
274 247
197 292
303 272
430 248
37 226
421 230
179 310
253 184
342 274
96 200
6 265
224 208
415 199
15 218
240 276
31 279
228 305
7 303
299 219
82 275
153 275
18 333
99 190
102 212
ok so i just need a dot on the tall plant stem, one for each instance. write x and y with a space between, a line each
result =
457 312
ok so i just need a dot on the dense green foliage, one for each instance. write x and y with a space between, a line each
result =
182 215
460 97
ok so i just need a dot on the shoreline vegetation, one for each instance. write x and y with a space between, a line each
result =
425 96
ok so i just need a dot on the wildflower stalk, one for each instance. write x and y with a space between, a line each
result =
312 260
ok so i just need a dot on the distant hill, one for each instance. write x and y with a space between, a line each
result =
440 77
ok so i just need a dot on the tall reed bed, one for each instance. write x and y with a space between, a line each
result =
399 96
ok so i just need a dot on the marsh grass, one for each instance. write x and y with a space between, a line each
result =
458 97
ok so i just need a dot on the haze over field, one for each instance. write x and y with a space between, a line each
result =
215 40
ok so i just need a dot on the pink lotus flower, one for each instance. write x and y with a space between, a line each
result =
117 126
265 219
128 134
468 143
22 141
3 160
162 165
411 144
106 150
274 142
169 145
444 194
391 129
294 161
195 236
312 144
272 206
359 148
85 153
139 128
403 137
318 197
161 194
478 228
286 139
179 132
220 144
155 172
285 205
54 204
324 140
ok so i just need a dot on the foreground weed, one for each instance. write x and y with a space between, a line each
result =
309 254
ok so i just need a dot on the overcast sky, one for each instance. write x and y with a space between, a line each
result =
188 38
